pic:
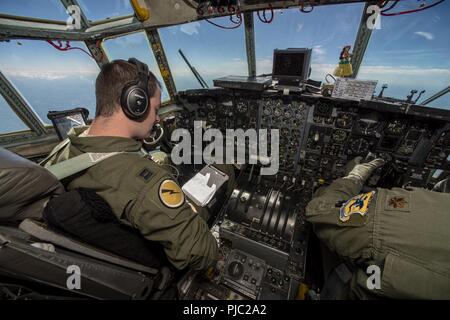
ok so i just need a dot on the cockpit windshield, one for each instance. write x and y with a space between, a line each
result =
50 80
325 29
43 9
405 52
135 45
10 122
105 9
212 51
411 52
215 51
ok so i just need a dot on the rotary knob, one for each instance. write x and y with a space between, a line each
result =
235 269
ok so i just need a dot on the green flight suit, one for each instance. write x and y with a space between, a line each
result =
404 232
130 184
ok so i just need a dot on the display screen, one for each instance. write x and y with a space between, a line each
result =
289 64
63 121
66 123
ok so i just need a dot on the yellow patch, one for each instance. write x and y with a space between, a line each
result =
171 194
358 204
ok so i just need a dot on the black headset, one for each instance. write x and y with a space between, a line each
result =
135 100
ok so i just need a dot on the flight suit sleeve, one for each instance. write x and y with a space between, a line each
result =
348 239
185 236
327 197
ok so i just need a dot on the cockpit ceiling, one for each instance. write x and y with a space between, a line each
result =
161 13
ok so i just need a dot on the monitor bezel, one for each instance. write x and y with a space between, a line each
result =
306 64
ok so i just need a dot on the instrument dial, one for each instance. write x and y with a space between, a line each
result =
267 110
241 106
396 127
369 126
210 104
277 112
344 120
358 146
287 115
339 135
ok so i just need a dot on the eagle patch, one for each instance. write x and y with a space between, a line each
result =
171 194
358 204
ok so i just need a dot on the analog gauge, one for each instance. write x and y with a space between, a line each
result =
344 120
323 109
241 106
287 115
201 113
444 139
296 134
277 112
300 106
312 160
358 146
298 115
210 104
339 135
212 116
329 120
396 127
267 110
369 126
285 132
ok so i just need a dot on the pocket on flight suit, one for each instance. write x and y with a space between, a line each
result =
404 278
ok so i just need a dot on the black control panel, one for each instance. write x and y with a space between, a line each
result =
262 230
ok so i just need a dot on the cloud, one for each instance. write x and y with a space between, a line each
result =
190 28
299 27
56 74
406 70
319 50
413 77
264 65
426 35
407 76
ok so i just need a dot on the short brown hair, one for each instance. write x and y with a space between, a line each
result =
110 82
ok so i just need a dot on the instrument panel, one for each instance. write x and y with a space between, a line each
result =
262 230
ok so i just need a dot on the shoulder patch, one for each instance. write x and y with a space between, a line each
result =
171 194
358 204
145 174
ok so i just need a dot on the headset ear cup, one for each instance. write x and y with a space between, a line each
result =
135 100
135 103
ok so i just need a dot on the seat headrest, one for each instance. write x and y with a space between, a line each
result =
25 187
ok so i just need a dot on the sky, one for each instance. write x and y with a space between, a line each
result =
408 52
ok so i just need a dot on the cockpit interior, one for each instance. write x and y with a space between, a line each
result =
250 65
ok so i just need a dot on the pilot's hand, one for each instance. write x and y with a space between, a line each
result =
362 171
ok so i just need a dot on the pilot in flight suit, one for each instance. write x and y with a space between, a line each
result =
139 191
403 232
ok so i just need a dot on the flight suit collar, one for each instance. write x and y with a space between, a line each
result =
102 143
